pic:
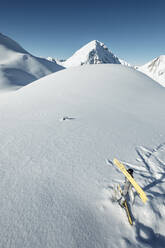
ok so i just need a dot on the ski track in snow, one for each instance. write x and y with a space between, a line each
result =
150 175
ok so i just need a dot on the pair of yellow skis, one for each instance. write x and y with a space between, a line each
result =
135 185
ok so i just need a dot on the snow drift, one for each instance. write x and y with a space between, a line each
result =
55 184
18 67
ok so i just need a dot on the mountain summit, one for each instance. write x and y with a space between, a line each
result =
155 69
95 52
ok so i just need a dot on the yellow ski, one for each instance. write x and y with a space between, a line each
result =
128 213
126 207
132 180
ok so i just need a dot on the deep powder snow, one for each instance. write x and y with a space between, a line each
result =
55 137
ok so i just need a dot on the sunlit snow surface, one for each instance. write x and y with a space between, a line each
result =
18 67
55 137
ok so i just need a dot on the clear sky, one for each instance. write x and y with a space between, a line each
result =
134 30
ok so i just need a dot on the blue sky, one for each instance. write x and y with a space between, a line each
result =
134 30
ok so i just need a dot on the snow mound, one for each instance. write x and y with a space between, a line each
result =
55 184
18 67
155 69
95 52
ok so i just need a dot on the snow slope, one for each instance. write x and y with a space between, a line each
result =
155 69
18 67
55 184
95 52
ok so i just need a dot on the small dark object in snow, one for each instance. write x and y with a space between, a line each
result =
67 118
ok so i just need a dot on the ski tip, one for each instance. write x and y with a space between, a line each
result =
115 160
109 162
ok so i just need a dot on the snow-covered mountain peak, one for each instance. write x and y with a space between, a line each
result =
156 62
162 57
95 52
155 69
94 44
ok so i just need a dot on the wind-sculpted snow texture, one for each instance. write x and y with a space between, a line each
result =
95 52
18 67
155 69
55 137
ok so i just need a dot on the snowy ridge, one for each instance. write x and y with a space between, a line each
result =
18 67
57 61
125 63
8 44
51 59
55 185
155 69
95 52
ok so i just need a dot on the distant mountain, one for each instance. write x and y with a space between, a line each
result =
51 59
57 61
95 52
155 69
123 62
18 67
